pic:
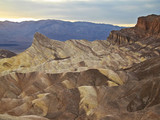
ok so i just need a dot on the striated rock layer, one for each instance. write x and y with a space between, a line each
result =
51 56
144 38
83 95
149 24
114 79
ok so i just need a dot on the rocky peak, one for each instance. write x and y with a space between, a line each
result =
149 24
146 27
144 38
41 40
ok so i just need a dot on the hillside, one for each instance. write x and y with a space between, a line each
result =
113 79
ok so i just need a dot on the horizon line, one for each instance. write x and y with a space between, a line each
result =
33 19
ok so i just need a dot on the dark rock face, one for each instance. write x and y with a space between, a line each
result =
122 37
6 54
149 24
145 28
143 38
118 79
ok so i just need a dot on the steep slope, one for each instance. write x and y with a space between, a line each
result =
46 94
23 32
54 56
138 99
84 95
149 24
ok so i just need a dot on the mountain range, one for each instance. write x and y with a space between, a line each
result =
113 79
17 36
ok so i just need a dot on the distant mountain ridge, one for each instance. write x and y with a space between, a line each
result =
18 36
6 54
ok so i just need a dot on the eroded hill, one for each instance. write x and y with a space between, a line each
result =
114 79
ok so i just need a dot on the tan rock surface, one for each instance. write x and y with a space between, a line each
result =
143 39
53 56
116 79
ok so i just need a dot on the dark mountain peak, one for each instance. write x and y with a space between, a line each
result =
6 54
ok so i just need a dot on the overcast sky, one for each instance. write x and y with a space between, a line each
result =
102 11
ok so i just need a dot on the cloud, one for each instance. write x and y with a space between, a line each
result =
108 11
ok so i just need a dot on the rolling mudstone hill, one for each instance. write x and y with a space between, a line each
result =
113 79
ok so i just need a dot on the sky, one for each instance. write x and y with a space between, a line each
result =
117 12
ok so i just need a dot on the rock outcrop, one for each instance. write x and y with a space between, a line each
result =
149 24
144 38
116 79
6 54
52 56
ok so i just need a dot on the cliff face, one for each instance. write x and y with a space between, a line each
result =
149 24
115 79
122 37
144 38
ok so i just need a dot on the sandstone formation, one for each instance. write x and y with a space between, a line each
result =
149 24
52 56
144 38
114 79
6 54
